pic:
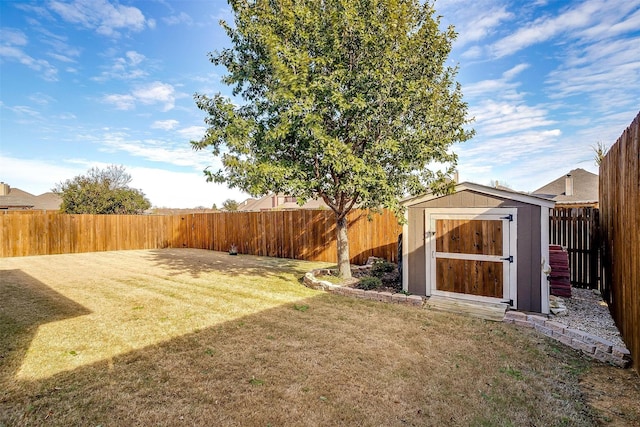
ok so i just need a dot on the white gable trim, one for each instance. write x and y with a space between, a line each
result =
520 197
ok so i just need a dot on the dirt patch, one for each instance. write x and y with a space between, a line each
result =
614 395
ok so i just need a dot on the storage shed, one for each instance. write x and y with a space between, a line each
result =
478 244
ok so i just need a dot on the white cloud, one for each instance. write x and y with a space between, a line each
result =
125 68
60 48
12 37
504 87
164 124
498 118
66 116
192 133
180 189
41 98
35 176
162 187
523 160
545 28
61 58
12 49
156 150
587 20
121 102
24 110
148 94
482 24
513 72
156 93
602 73
101 15
473 52
181 18
134 57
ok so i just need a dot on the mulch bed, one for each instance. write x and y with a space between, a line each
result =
391 281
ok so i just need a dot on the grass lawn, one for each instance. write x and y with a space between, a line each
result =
194 337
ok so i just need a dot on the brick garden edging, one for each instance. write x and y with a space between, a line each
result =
312 282
591 345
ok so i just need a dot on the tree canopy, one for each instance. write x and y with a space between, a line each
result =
230 205
348 101
101 191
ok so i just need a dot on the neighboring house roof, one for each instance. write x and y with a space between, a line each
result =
278 202
577 186
16 199
533 199
48 201
248 204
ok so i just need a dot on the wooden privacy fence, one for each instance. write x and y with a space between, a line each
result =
620 227
298 234
577 230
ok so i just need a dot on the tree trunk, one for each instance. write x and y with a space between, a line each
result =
344 266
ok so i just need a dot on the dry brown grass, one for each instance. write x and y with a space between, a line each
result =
200 338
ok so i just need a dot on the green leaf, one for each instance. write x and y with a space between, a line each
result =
351 102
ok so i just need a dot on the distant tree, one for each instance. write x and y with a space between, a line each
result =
230 205
214 207
599 151
101 191
348 101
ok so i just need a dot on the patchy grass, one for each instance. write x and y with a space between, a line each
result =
201 338
331 279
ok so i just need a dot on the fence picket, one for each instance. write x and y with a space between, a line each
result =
620 226
575 229
299 234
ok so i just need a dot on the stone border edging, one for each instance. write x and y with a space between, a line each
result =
312 282
591 345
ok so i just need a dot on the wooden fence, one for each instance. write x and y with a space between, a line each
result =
620 227
577 230
299 234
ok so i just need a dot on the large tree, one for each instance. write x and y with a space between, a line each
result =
101 191
350 101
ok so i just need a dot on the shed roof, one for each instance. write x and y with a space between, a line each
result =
483 189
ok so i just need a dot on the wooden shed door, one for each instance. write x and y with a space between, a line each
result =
471 256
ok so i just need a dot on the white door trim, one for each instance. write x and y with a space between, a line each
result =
509 216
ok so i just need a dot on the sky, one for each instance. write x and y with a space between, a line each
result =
87 83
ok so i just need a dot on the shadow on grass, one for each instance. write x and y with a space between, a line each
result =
25 304
325 360
196 262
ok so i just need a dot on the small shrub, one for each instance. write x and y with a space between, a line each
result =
380 268
369 282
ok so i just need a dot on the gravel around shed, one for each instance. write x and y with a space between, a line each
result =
588 312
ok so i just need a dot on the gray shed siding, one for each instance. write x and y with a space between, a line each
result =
528 238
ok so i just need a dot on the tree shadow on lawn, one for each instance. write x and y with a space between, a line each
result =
196 262
326 360
25 305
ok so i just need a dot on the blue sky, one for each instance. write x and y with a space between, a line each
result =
96 82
